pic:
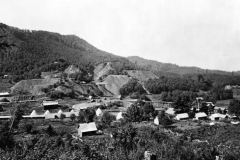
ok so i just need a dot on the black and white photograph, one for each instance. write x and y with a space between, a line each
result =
119 80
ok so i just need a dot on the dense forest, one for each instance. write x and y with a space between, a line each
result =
204 85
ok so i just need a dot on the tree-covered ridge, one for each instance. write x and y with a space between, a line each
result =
24 52
172 69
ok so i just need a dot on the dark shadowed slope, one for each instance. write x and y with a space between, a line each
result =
24 51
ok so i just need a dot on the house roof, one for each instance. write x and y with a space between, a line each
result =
87 127
119 116
98 112
5 117
49 103
217 115
60 112
34 113
156 121
170 111
182 116
200 115
4 93
47 112
209 103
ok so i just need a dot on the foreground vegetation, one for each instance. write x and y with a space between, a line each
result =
127 142
127 139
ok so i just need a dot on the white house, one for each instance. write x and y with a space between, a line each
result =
99 112
49 115
200 115
5 117
50 105
156 121
119 116
34 115
217 116
209 104
87 128
182 116
170 111
46 113
4 94
60 112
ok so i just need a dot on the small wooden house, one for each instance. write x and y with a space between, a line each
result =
201 116
48 105
182 116
87 129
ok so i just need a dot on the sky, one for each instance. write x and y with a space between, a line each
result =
203 33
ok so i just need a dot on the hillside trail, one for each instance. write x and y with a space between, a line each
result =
145 88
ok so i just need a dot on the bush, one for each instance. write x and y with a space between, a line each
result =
164 120
133 114
87 115
234 107
131 87
26 126
72 117
62 116
50 131
106 119
56 95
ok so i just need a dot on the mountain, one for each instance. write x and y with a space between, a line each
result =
26 53
172 69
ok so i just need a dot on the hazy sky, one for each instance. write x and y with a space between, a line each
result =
204 33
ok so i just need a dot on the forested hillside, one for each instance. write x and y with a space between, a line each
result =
171 69
26 53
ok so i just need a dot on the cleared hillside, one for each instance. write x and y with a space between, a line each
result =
33 86
113 83
102 70
142 76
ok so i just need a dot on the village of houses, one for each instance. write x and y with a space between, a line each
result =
52 110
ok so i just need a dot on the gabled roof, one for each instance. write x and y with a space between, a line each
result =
49 103
87 127
182 116
156 121
119 116
34 113
170 111
217 115
46 113
98 112
200 115
4 93
60 112
5 117
209 103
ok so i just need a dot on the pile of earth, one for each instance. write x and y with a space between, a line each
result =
102 70
33 86
113 83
